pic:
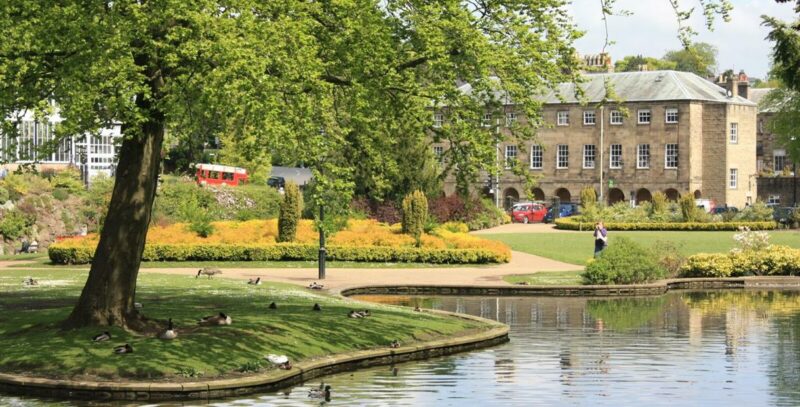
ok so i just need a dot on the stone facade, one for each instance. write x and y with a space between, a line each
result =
705 153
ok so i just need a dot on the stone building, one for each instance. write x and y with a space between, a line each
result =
674 132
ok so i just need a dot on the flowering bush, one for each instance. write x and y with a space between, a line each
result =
772 260
751 240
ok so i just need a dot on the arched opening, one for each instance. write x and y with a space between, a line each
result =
538 194
672 194
615 195
563 195
510 197
698 194
643 195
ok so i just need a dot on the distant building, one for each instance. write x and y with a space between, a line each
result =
598 62
298 175
682 134
92 154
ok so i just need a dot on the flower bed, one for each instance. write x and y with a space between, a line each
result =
361 240
773 260
575 224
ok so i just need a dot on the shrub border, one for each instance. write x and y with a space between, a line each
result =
65 254
573 224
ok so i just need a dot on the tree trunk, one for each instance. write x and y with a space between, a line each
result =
108 296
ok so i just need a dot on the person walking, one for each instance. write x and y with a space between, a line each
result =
600 237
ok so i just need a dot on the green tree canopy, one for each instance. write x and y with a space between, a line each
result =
699 57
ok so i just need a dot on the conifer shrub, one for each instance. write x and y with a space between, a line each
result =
289 215
415 214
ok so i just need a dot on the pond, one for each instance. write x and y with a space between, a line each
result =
684 348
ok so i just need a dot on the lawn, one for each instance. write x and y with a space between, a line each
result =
577 247
32 342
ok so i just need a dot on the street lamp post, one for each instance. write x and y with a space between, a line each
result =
794 172
322 251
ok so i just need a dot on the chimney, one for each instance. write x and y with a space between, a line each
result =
743 85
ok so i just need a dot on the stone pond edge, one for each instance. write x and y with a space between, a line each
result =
303 371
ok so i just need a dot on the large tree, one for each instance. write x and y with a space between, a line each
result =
333 82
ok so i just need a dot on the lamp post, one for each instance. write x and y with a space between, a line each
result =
794 171
322 251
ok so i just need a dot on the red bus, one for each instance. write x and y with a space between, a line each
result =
215 174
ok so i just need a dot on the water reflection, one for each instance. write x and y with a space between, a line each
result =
684 348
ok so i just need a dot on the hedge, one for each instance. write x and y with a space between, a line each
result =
774 260
62 254
574 224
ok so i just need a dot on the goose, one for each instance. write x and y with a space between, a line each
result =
417 309
101 337
208 271
256 281
355 314
219 319
325 393
315 286
123 349
272 305
316 307
29 281
169 333
395 344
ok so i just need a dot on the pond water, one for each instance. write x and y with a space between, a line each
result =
737 348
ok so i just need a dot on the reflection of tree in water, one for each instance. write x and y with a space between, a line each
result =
764 303
625 313
784 375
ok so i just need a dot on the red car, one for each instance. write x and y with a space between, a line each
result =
528 212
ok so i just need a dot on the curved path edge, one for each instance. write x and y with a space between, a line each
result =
302 371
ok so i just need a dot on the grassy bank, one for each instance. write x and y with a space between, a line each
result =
577 247
32 343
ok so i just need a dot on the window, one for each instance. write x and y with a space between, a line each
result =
511 156
733 179
671 115
774 200
589 154
537 155
438 152
616 117
511 118
643 156
644 116
671 156
760 126
562 118
562 156
615 160
778 160
486 120
734 133
438 120
589 118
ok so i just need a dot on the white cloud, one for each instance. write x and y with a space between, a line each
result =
652 30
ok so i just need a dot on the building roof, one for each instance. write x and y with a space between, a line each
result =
299 176
756 95
640 86
646 86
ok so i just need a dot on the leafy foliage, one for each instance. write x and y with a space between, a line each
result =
15 224
623 262
289 213
4 195
415 214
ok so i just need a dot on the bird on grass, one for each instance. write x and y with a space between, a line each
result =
316 307
169 333
101 337
323 393
282 361
219 319
417 309
255 281
354 314
122 349
395 344
208 271
272 305
29 281
315 286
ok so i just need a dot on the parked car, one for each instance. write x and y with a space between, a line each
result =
721 210
565 210
276 182
528 212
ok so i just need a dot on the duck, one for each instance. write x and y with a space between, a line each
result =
219 319
315 286
29 281
101 337
169 333
256 281
354 314
365 313
137 305
324 393
316 307
208 271
282 361
395 344
417 309
122 349
272 305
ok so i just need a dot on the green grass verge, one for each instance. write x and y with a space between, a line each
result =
577 247
547 278
25 256
32 343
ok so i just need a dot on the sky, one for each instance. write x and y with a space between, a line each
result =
652 31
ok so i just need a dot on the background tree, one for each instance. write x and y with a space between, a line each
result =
289 215
699 57
633 63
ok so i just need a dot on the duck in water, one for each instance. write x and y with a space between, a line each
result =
323 393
